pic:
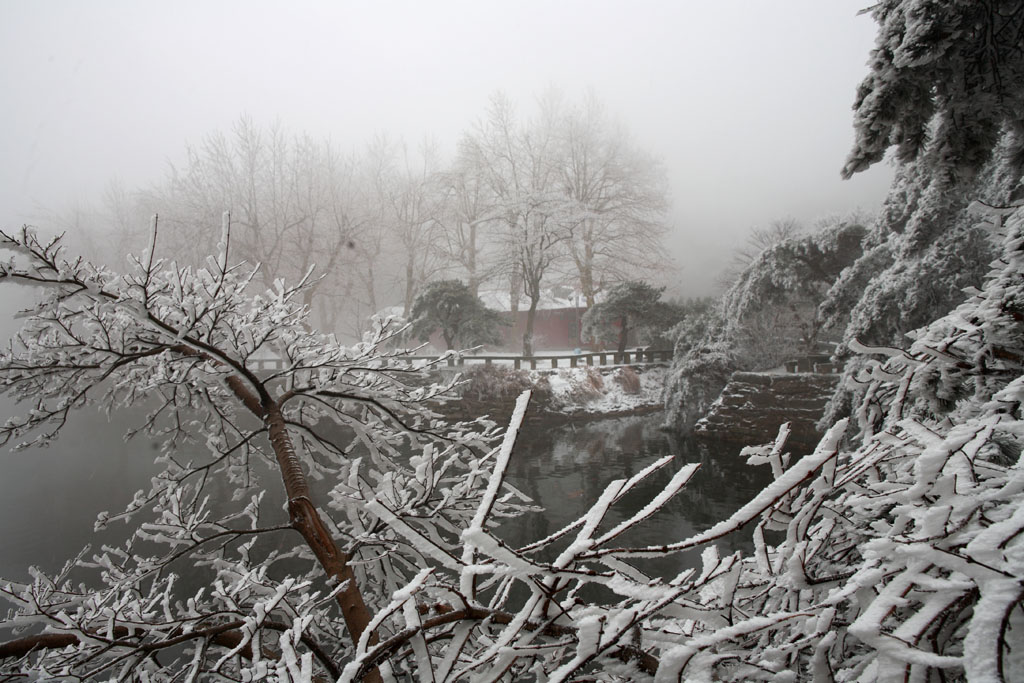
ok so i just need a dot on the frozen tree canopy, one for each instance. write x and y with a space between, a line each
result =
565 198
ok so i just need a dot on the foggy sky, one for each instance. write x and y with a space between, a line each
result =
748 103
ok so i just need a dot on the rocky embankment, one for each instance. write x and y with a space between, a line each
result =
754 404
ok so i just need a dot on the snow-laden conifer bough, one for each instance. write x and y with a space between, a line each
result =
900 559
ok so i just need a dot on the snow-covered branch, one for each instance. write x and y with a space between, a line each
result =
896 559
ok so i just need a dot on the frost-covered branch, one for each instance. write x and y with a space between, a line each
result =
897 559
182 342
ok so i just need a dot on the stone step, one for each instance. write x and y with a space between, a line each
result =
752 406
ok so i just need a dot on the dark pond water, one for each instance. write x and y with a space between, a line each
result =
49 498
566 468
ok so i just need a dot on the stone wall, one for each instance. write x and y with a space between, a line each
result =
753 405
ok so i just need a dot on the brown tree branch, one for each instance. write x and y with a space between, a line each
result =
228 635
449 615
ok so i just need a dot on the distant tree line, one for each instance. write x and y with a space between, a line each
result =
561 198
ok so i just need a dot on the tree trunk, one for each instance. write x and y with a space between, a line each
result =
306 520
371 292
515 283
302 514
623 334
410 287
531 316
473 281
587 274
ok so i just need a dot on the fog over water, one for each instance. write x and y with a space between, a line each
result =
748 104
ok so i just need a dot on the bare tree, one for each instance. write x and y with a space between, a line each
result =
467 217
619 192
411 205
293 200
105 230
186 343
520 165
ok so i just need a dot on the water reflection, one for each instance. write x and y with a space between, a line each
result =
49 498
565 469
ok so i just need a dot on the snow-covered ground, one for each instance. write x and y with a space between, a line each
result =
603 390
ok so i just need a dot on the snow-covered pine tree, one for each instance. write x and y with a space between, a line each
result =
905 555
945 89
946 79
770 314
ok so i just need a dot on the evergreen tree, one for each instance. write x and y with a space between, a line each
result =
462 318
946 89
946 79
772 310
632 307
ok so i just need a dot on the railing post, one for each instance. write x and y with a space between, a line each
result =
554 362
603 357
572 361
533 362
487 361
517 363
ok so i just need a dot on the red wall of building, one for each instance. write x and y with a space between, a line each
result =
553 329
